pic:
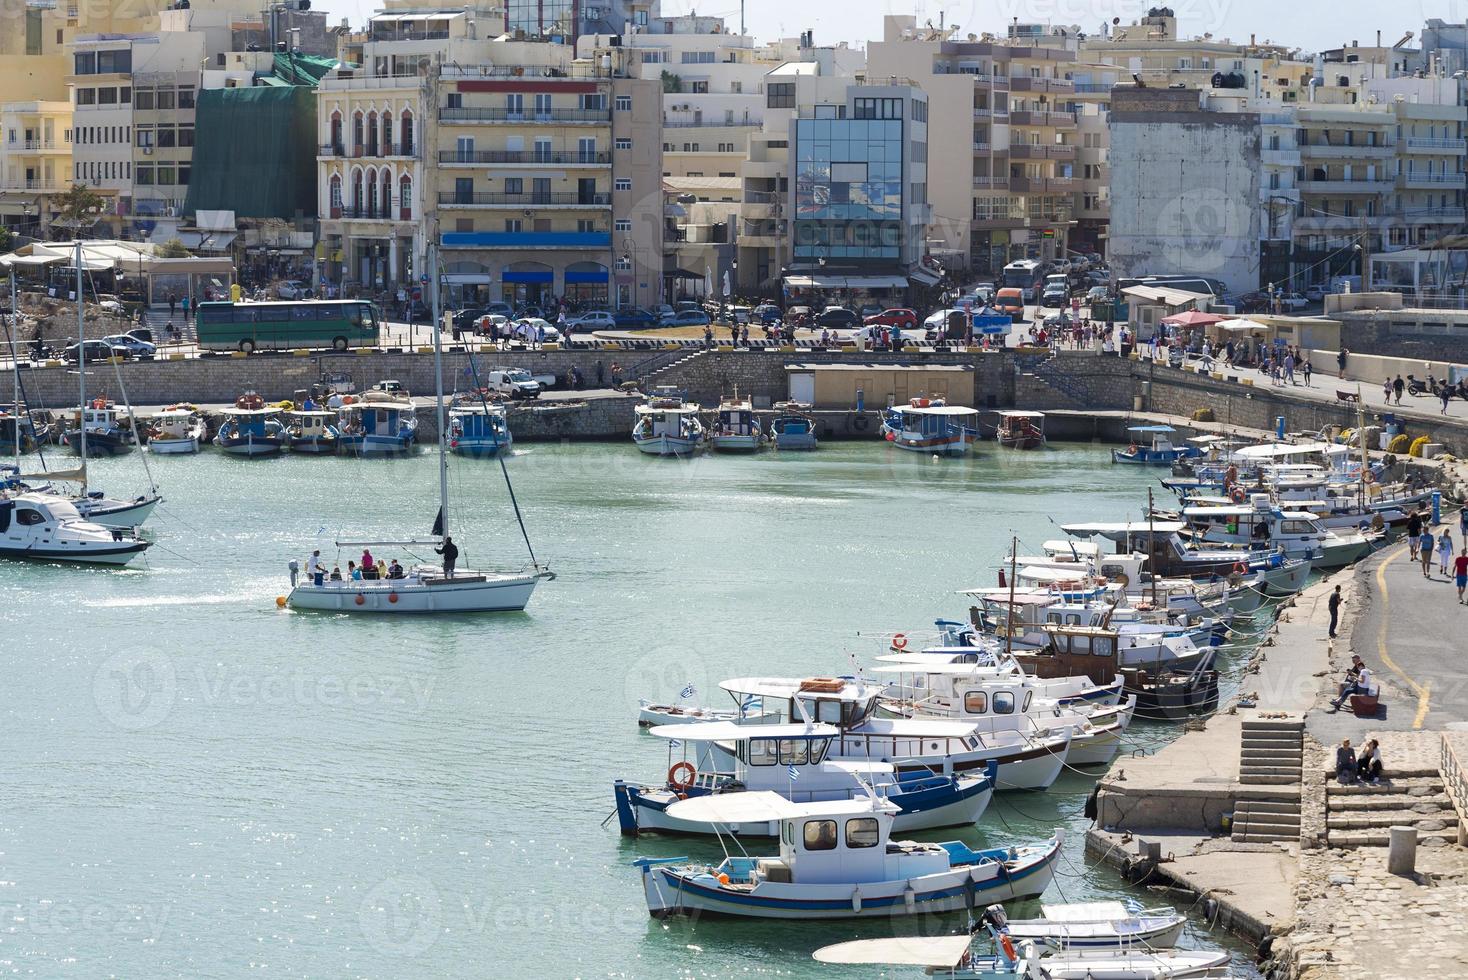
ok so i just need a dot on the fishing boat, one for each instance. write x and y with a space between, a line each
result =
736 428
837 861
46 527
1259 523
311 431
250 429
1021 430
479 429
1101 925
20 430
793 427
790 761
107 434
176 431
377 424
1165 690
1151 445
426 588
667 426
1169 555
930 426
651 714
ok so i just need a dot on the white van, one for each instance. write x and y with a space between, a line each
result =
514 382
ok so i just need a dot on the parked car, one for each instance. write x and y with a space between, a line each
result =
634 318
96 351
418 312
795 313
837 318
1097 294
131 344
1079 264
293 289
661 311
870 309
1099 276
1315 294
1065 318
767 313
1292 301
592 320
1055 294
983 293
688 318
529 311
514 382
1255 302
141 333
895 317
547 330
489 324
466 318
500 309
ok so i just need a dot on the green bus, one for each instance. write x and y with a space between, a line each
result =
287 325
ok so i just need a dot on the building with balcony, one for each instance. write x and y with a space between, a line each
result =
1008 183
1185 187
35 153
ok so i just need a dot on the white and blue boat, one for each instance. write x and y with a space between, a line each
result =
250 431
837 860
791 761
479 430
926 426
1152 445
667 426
737 428
378 425
792 428
312 431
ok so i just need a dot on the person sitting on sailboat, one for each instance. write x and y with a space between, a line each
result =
394 570
369 570
450 552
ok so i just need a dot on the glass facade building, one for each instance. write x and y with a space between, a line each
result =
848 189
541 18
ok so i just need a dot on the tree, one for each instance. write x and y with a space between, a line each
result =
7 240
80 206
671 83
172 249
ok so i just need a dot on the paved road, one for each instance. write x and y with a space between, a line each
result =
1410 632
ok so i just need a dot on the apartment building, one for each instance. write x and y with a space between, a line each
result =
1009 142
35 151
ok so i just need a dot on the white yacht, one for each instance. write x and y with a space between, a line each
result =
45 527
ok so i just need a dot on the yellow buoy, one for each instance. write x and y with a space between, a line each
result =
280 602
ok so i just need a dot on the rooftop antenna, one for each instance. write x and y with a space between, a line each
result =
741 16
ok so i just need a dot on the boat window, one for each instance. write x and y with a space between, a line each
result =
792 752
1003 703
828 712
1103 646
26 516
1074 619
818 750
1029 696
1080 644
976 702
763 752
820 835
1296 527
1053 618
862 832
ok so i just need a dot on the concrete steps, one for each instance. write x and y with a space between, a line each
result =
1349 840
1271 753
1373 801
1361 815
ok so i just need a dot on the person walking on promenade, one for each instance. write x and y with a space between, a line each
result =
1335 610
1386 392
1424 550
1446 394
1414 532
1340 360
1444 553
1463 524
1460 574
1307 370
1397 387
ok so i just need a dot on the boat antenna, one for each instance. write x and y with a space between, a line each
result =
1009 619
479 390
442 525
1151 544
14 365
81 366
132 419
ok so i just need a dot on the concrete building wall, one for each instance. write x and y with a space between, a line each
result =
1184 188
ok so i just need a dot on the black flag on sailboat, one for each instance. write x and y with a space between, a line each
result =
437 531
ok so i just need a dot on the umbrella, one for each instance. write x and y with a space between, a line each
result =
1192 318
1243 324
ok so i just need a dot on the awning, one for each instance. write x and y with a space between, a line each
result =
924 275
684 274
215 242
531 275
466 278
845 282
1192 318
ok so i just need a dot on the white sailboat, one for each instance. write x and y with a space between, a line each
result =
426 588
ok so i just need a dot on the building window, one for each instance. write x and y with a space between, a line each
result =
455 100
780 95
585 225
86 96
624 263
624 103
698 58
622 224
125 95
143 99
512 225
623 143
143 176
166 98
667 147
186 98
622 184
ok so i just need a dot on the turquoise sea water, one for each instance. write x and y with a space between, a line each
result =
201 785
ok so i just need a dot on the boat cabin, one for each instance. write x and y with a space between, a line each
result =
988 697
172 423
247 421
737 418
1021 430
308 424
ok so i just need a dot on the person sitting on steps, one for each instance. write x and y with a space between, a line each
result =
1368 762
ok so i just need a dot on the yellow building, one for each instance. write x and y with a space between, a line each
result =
35 161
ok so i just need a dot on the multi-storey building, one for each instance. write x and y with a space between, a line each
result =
35 151
1007 184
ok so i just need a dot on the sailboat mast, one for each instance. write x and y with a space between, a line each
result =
81 366
443 458
1009 620
14 366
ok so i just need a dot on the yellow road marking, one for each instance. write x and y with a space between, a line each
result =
1423 692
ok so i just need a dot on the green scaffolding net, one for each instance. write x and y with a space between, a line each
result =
255 152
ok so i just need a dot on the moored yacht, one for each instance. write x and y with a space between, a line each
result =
45 527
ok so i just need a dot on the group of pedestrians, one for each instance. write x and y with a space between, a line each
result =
1452 561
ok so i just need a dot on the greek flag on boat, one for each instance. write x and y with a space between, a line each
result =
794 775
688 691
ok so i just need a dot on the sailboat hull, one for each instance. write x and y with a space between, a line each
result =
468 592
117 513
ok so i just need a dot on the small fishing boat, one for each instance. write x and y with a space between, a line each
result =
930 426
667 426
45 527
650 714
107 433
479 429
250 429
1151 445
793 427
377 425
790 761
837 861
1258 523
737 428
21 431
1101 925
176 431
311 431
1021 430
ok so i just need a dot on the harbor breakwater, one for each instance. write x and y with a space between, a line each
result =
1073 380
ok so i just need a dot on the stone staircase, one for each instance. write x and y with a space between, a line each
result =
1271 757
1360 815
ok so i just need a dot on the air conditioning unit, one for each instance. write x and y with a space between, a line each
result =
147 151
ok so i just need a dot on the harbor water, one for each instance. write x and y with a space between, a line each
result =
199 784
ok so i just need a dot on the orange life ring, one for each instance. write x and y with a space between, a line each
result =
99 403
1240 568
1008 945
1369 476
361 598
684 770
392 597
899 642
1238 495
